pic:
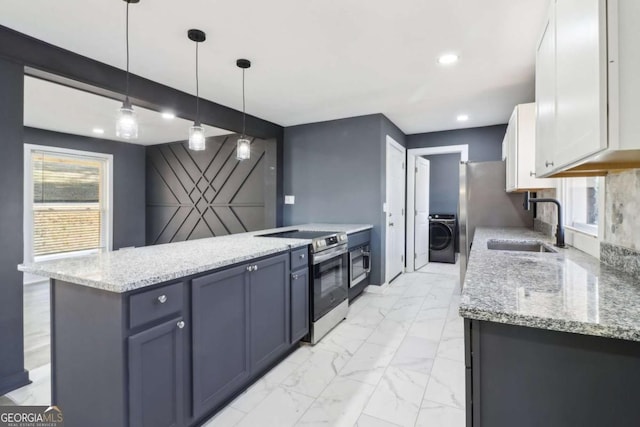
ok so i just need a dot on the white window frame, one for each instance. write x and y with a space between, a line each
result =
106 198
585 239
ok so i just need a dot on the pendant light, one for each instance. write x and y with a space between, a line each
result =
126 123
243 150
197 141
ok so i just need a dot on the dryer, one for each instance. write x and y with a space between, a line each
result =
442 238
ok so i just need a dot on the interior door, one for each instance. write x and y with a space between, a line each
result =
395 228
421 229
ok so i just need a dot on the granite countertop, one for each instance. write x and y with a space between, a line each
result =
130 269
568 291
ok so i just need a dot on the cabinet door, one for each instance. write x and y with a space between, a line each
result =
546 96
220 336
299 304
512 151
269 308
156 383
581 56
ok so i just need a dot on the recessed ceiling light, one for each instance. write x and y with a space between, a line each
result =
448 59
462 118
99 131
168 115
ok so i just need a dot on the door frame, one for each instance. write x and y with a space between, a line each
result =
393 144
463 150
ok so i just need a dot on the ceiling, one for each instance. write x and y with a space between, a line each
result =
60 108
316 60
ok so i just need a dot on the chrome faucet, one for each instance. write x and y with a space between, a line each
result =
560 228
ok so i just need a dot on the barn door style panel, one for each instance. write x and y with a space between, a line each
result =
196 194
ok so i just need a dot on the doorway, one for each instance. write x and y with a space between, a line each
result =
394 209
416 234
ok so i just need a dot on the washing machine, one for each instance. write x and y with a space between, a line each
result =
442 238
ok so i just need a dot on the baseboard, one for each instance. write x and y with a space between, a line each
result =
14 381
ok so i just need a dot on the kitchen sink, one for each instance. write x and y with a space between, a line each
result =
520 246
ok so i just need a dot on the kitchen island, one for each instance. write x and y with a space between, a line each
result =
551 339
166 335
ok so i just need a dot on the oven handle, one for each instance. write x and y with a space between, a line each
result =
328 254
367 255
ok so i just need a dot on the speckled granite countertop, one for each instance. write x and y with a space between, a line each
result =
130 269
568 291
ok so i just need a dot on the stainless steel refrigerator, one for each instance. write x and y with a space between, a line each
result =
484 202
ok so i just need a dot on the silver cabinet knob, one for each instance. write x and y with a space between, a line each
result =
548 163
180 324
250 268
162 299
255 267
295 277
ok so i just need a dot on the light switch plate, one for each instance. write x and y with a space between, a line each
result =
289 200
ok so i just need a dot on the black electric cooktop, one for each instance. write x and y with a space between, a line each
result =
298 234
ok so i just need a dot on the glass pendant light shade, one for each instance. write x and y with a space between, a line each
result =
197 141
126 124
243 150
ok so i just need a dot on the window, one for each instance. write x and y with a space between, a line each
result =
581 201
67 203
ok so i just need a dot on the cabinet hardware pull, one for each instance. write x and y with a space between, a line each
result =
162 299
255 267
250 268
295 277
301 256
547 163
181 324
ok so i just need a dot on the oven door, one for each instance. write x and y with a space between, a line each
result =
329 278
360 264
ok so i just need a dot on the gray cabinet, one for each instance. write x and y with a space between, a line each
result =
220 337
156 376
269 307
299 304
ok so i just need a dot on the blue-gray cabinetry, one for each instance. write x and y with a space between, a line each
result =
156 376
529 377
172 354
220 338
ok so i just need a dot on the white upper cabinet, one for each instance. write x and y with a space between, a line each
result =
520 147
587 88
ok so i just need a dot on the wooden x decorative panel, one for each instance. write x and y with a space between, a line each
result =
196 194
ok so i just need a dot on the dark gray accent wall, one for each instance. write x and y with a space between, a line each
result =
128 179
485 143
12 372
336 171
197 194
444 183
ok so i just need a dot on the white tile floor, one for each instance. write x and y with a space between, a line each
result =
396 361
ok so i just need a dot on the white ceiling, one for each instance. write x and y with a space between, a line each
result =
59 108
316 60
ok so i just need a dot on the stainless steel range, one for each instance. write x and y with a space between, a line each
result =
329 277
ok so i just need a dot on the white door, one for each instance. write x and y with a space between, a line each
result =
421 237
395 228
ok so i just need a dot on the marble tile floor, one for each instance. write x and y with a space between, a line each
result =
396 361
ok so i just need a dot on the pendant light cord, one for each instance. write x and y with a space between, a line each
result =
244 114
127 37
197 89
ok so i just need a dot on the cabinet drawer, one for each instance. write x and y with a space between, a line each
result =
299 258
151 305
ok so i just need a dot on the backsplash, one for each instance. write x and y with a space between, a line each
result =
622 222
621 245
